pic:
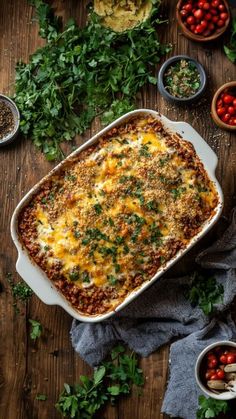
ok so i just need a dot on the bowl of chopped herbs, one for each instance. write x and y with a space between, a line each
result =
9 120
182 79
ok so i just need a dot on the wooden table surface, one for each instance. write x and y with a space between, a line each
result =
26 369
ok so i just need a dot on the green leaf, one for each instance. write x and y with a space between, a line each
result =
36 329
41 397
114 390
98 375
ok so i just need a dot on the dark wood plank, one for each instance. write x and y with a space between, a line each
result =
27 369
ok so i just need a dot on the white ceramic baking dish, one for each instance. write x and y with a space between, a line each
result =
37 279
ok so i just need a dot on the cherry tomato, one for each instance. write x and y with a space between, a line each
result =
211 27
224 16
209 373
234 102
220 374
193 28
210 355
234 121
206 6
208 16
223 359
215 19
220 23
212 363
190 20
215 3
231 110
201 4
228 99
199 29
221 7
213 11
198 14
219 102
231 358
226 118
188 7
221 111
231 121
204 24
183 13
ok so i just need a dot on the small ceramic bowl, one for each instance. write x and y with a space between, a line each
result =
161 85
231 85
201 38
224 395
16 115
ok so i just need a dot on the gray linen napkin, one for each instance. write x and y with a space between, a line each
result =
162 313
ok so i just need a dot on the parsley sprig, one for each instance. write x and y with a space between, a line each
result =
205 292
230 50
81 73
211 408
110 380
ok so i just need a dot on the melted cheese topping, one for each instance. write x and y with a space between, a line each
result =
123 209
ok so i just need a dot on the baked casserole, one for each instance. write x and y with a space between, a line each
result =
114 214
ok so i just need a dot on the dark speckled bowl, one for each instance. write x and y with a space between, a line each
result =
13 134
177 100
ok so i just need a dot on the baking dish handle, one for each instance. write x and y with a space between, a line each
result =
32 275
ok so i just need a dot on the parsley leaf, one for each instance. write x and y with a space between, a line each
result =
36 329
205 292
210 408
41 397
230 50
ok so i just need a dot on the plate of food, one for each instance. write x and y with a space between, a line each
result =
117 213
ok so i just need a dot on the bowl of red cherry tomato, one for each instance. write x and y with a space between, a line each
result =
203 20
223 106
215 370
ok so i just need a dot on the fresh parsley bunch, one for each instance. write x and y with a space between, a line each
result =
110 380
211 408
81 73
205 292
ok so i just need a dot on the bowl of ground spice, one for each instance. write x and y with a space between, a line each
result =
9 120
182 79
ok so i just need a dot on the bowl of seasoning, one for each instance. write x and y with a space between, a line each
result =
204 20
9 120
215 370
182 79
223 106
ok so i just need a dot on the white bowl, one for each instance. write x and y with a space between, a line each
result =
225 395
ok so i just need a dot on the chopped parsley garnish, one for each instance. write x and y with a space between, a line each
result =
74 276
177 192
85 277
46 248
71 178
153 206
98 208
119 240
111 222
75 223
117 268
77 234
112 279
144 151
